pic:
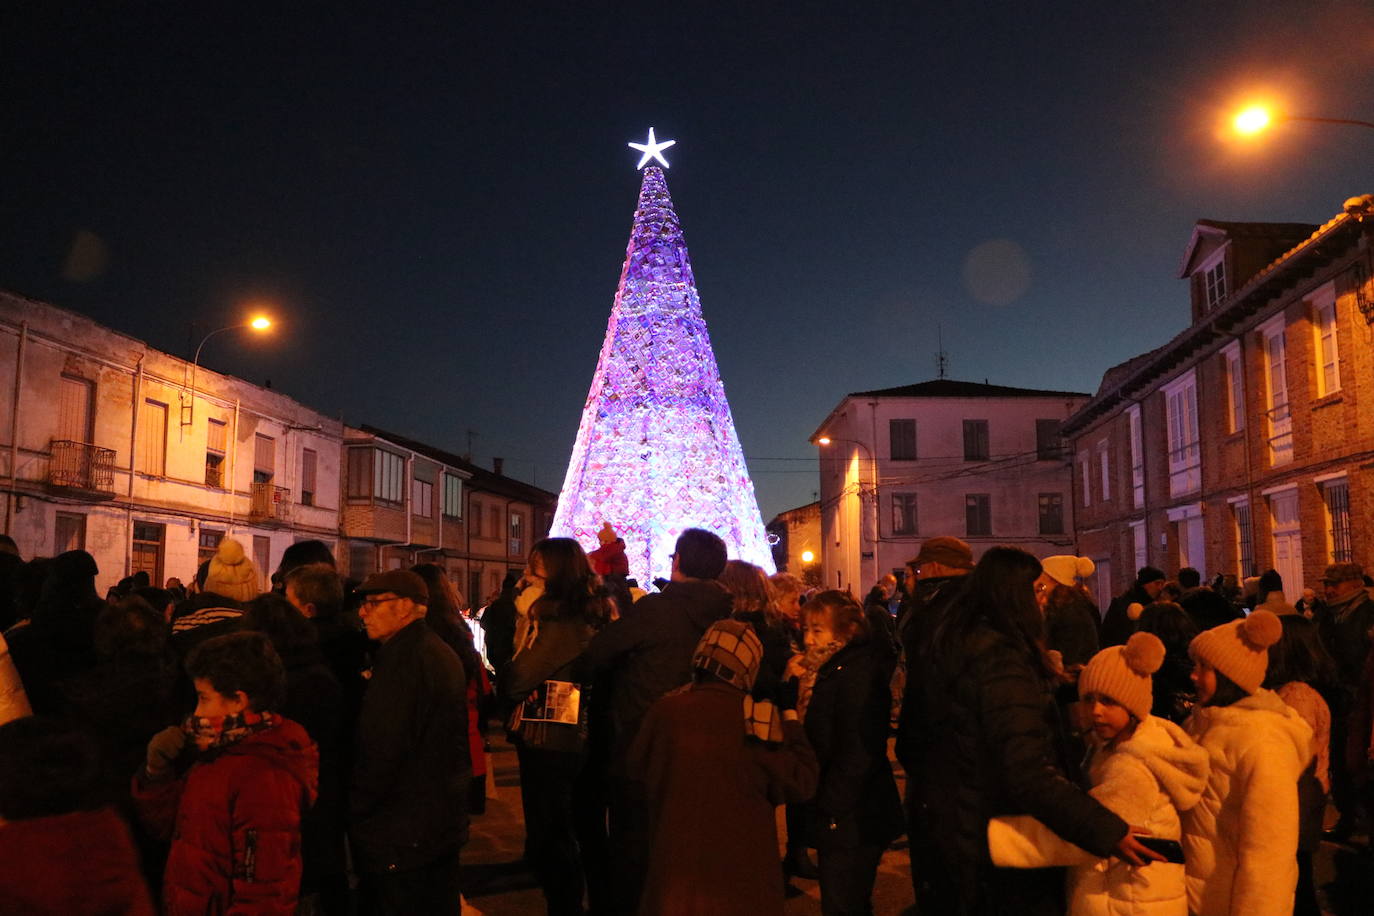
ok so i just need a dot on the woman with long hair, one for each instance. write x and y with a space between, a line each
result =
551 740
991 750
752 601
445 617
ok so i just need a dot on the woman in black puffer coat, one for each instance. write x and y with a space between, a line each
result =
990 747
845 704
552 754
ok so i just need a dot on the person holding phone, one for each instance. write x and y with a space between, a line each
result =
1145 769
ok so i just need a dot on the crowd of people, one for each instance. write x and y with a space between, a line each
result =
318 748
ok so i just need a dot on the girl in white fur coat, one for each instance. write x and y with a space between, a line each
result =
1145 769
1241 841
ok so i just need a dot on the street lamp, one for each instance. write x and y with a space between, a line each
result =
1256 118
824 441
258 323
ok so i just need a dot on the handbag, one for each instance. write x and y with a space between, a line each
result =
553 718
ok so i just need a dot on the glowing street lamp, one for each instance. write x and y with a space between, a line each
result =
1255 119
808 556
258 323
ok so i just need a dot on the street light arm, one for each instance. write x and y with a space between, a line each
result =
196 360
1350 121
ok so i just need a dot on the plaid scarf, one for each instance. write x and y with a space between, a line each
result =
211 732
812 663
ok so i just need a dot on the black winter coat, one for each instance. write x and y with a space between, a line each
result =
648 652
556 654
920 614
846 722
1071 624
407 802
778 649
990 751
1117 625
1207 608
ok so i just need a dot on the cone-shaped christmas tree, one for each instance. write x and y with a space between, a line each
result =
657 452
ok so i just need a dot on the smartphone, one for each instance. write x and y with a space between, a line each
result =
1169 849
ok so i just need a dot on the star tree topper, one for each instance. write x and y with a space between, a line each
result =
652 150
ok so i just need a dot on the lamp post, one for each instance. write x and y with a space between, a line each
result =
259 323
1256 118
824 441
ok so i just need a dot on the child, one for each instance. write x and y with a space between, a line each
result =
237 808
1144 768
1241 841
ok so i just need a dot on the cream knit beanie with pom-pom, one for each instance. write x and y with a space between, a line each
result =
1123 673
1240 649
231 573
1066 569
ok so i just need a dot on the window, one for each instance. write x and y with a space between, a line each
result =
1336 495
1276 372
517 534
362 560
1328 357
1139 549
147 548
494 522
1104 463
902 439
1102 582
69 532
453 496
422 498
207 544
1287 537
309 464
1047 444
975 440
1085 476
264 458
475 581
388 472
152 440
978 515
1235 387
1051 513
216 438
74 409
1190 536
476 520
1137 457
903 513
1214 283
1185 452
1245 537
262 559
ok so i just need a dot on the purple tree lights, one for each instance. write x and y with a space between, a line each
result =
656 452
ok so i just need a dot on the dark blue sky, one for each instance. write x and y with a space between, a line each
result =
439 198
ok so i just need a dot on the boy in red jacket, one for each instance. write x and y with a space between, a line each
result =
237 808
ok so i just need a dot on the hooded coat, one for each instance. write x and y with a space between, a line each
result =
1241 840
234 819
1146 780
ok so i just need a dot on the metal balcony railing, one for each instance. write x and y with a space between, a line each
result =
82 466
270 503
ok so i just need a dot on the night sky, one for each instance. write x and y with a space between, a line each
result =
438 198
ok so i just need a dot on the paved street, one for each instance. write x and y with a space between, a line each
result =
497 884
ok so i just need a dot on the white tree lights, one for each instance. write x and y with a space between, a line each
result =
656 452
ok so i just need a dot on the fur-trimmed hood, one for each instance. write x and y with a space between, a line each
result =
1177 762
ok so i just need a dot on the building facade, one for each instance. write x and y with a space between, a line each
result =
124 451
1244 443
978 461
405 502
797 549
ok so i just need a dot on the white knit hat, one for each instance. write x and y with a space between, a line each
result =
231 573
1123 673
1066 569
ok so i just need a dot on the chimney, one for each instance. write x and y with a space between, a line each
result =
497 464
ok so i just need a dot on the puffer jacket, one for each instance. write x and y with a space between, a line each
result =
1241 840
991 751
234 819
1146 780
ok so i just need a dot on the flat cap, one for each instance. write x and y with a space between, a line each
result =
402 582
949 551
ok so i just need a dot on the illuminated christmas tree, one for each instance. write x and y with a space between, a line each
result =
656 452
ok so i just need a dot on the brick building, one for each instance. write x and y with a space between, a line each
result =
798 546
898 465
1241 444
405 502
124 451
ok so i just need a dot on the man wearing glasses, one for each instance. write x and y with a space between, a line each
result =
407 804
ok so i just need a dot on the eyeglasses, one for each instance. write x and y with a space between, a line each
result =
370 601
